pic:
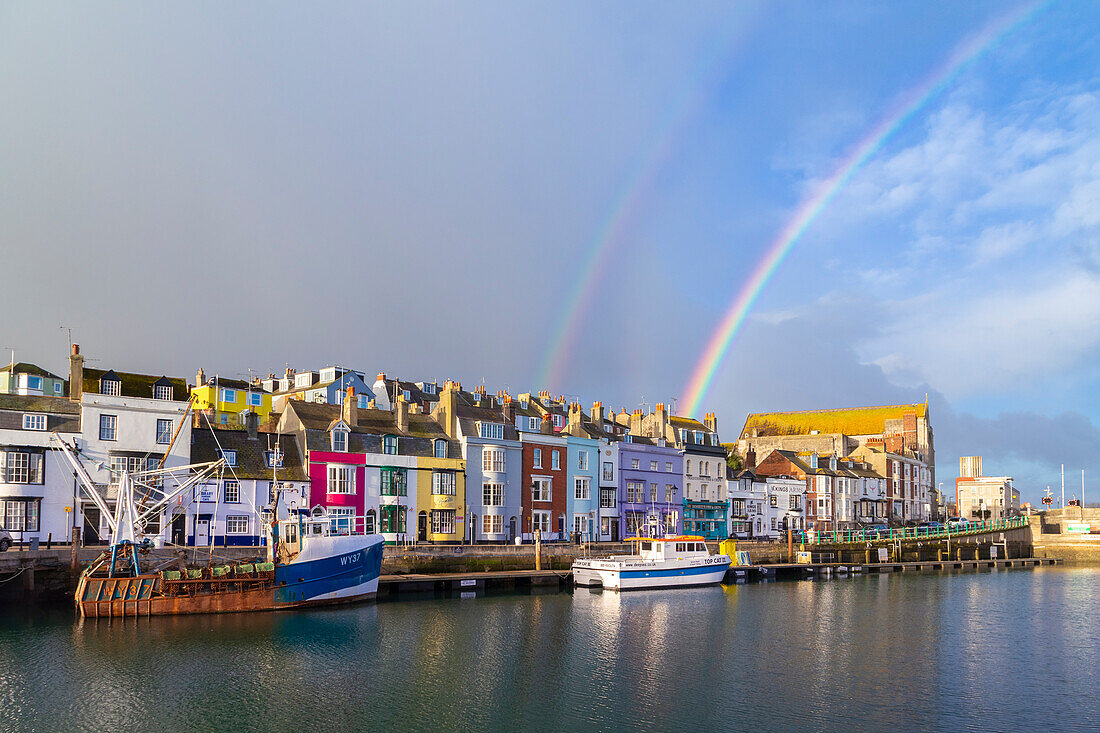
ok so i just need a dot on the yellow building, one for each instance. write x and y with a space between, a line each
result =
229 401
441 500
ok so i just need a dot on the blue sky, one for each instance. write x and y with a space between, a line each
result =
413 189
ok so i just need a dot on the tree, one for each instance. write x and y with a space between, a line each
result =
733 461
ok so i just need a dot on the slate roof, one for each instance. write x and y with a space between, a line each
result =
240 384
63 414
251 461
135 385
22 367
849 421
418 439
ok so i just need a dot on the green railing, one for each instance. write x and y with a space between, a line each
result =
850 536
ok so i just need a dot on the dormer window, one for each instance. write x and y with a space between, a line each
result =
162 389
389 445
440 448
363 401
406 394
523 404
491 430
328 375
34 422
534 423
429 388
832 463
110 386
230 457
340 440
683 435
813 461
303 380
270 461
559 421
699 437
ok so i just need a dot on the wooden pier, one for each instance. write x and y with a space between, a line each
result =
471 584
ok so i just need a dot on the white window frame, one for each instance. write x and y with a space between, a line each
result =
34 421
111 387
536 458
492 460
580 524
439 448
340 440
229 395
492 524
255 399
230 456
390 445
228 486
492 491
233 524
442 521
443 483
555 460
541 521
341 479
582 461
582 488
491 430
541 488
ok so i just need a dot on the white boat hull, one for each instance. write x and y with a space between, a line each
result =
616 575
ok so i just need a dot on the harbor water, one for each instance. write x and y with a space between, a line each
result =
998 650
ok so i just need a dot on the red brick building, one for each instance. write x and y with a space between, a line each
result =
544 485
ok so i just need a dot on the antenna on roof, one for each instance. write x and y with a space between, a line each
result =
70 332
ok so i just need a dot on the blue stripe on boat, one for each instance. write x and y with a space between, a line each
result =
314 578
674 573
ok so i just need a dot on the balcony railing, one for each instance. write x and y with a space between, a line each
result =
848 536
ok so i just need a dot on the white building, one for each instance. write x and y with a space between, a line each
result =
128 421
747 495
784 506
232 509
37 489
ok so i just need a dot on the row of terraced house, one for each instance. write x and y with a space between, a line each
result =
415 461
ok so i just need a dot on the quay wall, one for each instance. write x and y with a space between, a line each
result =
1051 540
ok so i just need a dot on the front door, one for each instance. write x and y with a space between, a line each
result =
614 529
91 527
511 529
422 527
179 529
202 532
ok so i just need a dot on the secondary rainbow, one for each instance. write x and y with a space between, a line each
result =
808 211
629 201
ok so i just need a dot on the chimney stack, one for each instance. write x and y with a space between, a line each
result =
401 414
546 427
252 422
349 412
661 428
636 423
597 413
508 408
289 373
711 421
76 374
200 378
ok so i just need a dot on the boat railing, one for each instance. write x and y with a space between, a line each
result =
334 525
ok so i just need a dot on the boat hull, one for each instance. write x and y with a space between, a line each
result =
631 576
347 577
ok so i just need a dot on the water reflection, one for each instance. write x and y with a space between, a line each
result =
952 651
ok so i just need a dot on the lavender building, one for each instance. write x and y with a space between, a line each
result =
650 487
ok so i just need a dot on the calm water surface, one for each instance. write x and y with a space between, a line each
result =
1004 650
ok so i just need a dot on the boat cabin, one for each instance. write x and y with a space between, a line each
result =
671 547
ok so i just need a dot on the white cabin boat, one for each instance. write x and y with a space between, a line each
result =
667 562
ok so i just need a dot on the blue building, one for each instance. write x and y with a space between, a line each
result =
651 484
582 475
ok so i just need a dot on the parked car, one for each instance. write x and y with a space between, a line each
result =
877 531
933 526
956 522
5 540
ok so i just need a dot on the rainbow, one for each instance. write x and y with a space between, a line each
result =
808 211
627 204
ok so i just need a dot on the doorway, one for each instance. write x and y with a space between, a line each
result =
202 532
179 529
614 529
91 526
511 529
422 527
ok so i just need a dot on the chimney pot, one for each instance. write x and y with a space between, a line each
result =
76 349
